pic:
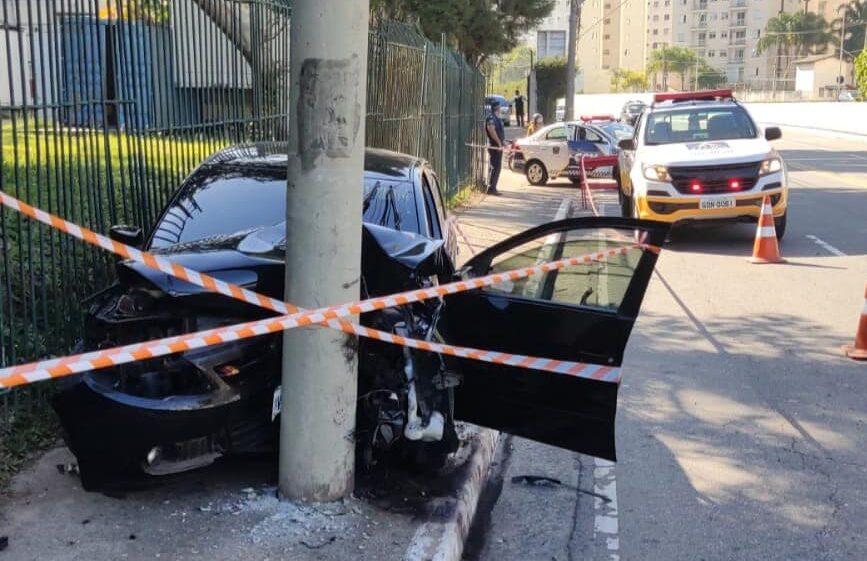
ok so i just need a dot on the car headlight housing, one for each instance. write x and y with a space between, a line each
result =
656 173
770 165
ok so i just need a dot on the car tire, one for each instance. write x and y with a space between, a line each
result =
780 226
627 207
536 173
575 181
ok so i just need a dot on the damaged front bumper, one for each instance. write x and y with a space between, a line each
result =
168 416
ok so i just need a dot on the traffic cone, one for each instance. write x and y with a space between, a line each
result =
766 249
858 350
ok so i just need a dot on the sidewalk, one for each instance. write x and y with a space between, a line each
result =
230 511
490 219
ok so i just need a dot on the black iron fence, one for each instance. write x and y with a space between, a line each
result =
106 105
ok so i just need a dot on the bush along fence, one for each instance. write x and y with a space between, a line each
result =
106 106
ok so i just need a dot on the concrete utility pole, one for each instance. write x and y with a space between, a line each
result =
572 46
842 39
328 49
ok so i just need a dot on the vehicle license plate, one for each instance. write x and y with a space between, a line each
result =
721 202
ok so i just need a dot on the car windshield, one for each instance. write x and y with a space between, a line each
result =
698 124
618 131
224 200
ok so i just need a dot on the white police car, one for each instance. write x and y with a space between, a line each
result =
699 156
551 151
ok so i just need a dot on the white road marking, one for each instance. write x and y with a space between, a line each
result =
606 520
825 245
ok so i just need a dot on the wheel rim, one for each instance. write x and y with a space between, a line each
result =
535 173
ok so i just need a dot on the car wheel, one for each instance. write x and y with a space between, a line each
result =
576 181
627 209
780 226
536 173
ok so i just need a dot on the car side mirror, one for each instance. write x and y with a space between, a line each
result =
773 133
126 234
626 144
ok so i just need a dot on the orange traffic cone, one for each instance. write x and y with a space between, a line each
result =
858 350
766 249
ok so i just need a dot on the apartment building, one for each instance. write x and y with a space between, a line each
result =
611 35
550 37
661 24
725 33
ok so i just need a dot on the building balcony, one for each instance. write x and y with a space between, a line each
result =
738 24
738 42
738 4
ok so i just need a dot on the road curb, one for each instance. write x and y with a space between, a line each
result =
442 537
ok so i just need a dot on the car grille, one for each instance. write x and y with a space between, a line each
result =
714 179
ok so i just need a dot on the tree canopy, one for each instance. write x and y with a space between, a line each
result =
796 35
679 60
476 28
856 11
632 80
861 74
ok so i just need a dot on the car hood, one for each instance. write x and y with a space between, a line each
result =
706 152
257 256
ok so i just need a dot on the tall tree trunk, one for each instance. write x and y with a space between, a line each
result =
257 37
571 46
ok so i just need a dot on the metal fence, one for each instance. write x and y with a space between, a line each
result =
424 99
106 105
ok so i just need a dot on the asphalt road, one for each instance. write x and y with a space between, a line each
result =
741 428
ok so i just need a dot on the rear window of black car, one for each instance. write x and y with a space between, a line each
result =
224 200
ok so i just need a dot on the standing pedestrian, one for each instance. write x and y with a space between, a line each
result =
496 140
535 124
519 107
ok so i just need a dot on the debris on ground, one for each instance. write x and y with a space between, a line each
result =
67 469
537 480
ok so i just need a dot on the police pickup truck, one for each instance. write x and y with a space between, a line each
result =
699 156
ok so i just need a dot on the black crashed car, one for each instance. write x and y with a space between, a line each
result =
631 111
168 415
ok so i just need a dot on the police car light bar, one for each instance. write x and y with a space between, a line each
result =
589 118
706 95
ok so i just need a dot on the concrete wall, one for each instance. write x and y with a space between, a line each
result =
821 115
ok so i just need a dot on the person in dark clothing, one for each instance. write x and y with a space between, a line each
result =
496 140
519 107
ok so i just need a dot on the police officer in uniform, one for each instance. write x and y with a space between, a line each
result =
496 140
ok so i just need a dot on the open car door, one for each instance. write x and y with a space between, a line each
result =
579 314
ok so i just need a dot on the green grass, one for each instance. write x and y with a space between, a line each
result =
462 197
94 179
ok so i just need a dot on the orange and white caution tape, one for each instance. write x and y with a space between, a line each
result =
489 147
87 362
51 368
55 368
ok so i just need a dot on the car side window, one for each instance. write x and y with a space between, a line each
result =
639 124
599 285
434 183
430 208
592 136
557 133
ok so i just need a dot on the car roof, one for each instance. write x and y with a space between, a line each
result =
378 163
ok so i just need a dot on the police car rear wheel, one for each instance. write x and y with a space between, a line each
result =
536 173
